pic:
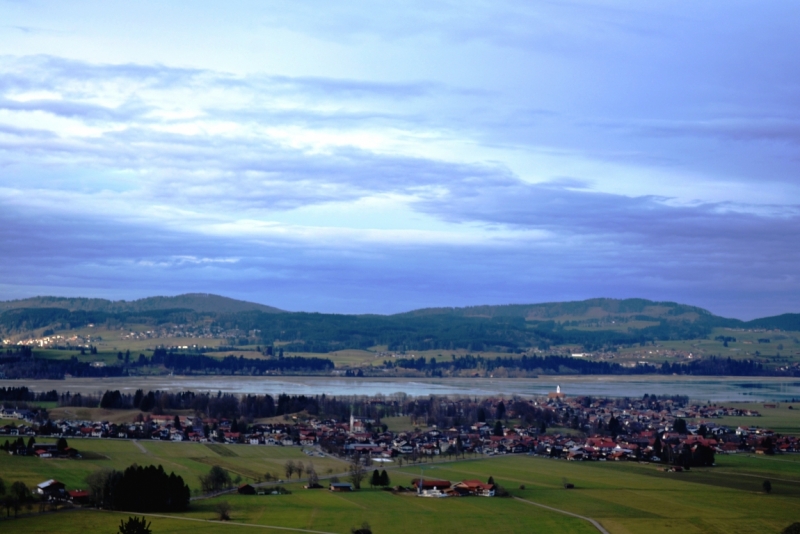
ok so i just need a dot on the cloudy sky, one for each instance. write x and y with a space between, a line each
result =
359 157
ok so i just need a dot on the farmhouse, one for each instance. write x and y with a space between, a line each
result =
475 487
52 489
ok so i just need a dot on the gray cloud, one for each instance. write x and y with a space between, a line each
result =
712 253
88 112
84 254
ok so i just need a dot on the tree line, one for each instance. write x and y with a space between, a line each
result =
711 366
23 394
197 363
218 405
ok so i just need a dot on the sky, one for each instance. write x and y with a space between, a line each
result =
362 157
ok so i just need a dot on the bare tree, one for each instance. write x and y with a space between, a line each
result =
299 467
313 478
289 466
357 471
223 510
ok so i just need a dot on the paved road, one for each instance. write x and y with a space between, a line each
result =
596 525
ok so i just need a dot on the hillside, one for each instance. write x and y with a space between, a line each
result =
598 308
196 302
593 325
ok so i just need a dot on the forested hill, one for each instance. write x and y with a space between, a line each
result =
196 302
598 308
596 324
603 311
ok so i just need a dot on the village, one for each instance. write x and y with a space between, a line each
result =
669 433
637 431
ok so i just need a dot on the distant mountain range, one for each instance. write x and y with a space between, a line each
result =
197 302
606 310
596 324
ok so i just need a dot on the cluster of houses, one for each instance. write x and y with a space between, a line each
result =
437 488
445 488
55 491
638 430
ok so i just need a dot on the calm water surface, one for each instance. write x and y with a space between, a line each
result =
698 388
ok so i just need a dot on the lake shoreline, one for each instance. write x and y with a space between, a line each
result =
714 389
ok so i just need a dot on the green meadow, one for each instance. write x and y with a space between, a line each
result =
625 497
784 418
188 460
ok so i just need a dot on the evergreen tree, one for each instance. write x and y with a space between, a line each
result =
657 446
501 410
614 426
134 525
385 482
150 489
481 415
680 426
376 478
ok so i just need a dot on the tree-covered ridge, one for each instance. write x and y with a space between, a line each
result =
197 302
590 308
596 324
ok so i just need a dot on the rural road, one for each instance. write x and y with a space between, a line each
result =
596 525
140 446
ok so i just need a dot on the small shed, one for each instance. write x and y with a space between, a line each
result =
246 489
79 496
341 486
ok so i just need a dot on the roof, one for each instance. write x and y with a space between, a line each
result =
476 484
48 483
431 483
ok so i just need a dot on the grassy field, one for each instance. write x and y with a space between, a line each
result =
787 344
632 498
323 511
780 419
626 498
783 348
398 424
188 460
96 414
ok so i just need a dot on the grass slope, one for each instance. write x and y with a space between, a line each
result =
188 460
626 498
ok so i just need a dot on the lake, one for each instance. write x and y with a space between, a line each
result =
715 389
